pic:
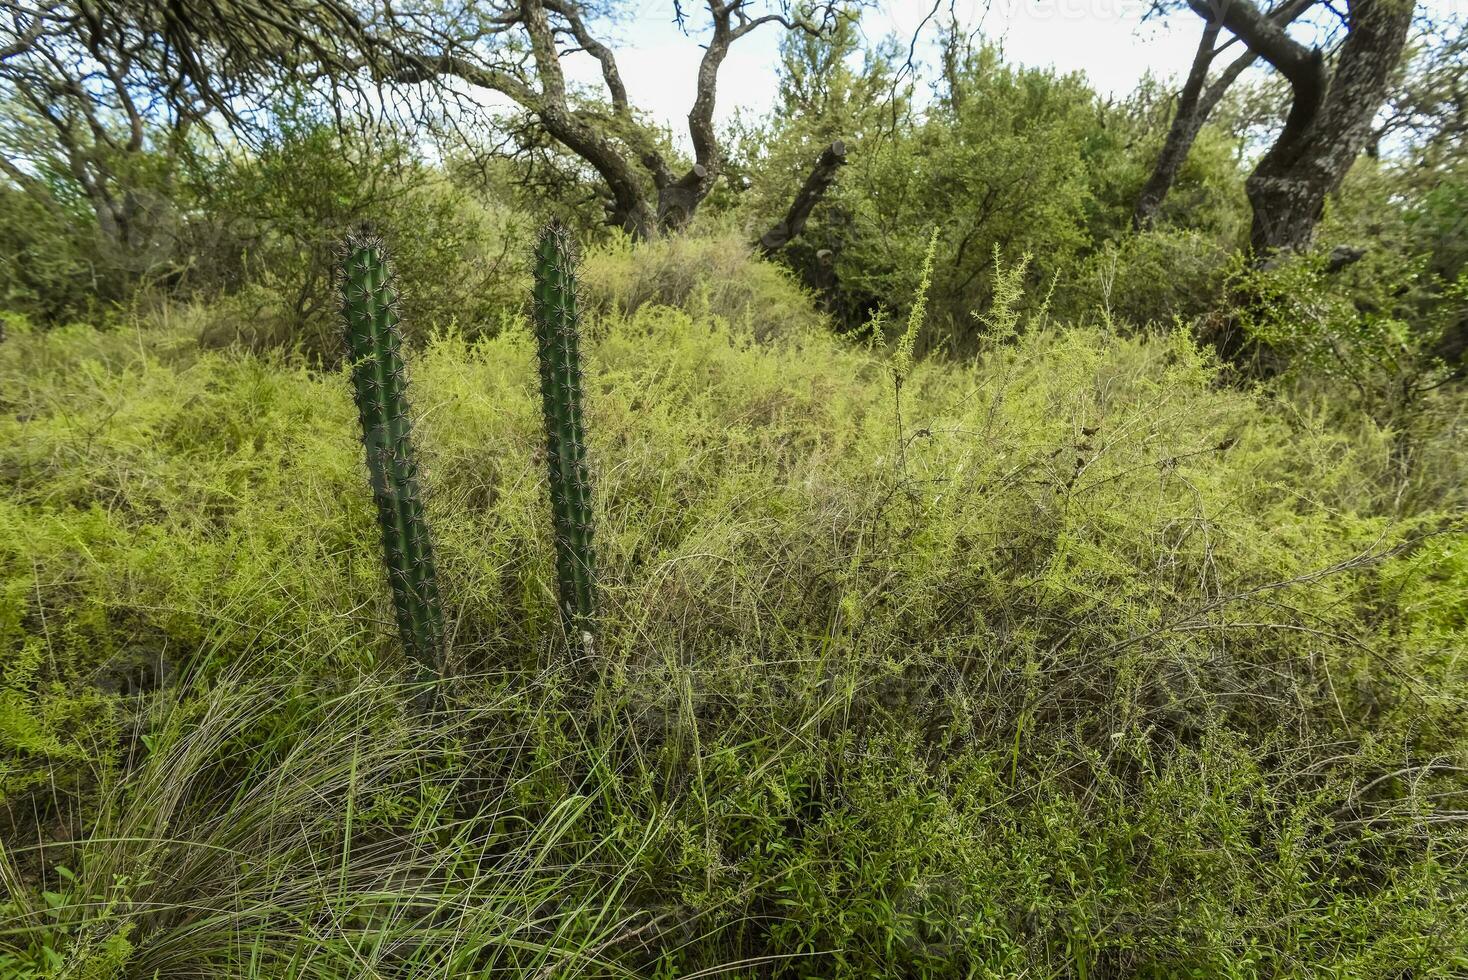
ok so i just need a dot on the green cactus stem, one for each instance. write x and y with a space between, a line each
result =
558 340
374 344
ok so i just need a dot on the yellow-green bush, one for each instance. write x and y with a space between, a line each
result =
1103 668
713 274
1156 276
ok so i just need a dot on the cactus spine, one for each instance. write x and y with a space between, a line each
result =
374 344
558 340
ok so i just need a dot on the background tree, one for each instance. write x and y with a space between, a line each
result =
1426 109
1196 101
423 59
1333 103
835 93
1000 160
94 121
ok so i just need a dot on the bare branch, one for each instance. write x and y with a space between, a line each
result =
595 48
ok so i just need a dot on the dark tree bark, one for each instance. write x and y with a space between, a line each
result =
1330 114
1194 105
1186 121
822 175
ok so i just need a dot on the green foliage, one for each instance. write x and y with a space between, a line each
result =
1374 328
43 255
1435 218
1121 149
272 221
267 831
997 163
1002 321
374 349
1007 157
90 216
833 89
562 386
1078 658
1126 671
259 228
902 354
1155 277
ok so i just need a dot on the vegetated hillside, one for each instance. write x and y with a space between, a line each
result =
1072 661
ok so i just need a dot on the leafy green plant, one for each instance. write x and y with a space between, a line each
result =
374 344
1373 329
264 226
711 274
559 344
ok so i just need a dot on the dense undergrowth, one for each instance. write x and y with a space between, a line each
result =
1079 663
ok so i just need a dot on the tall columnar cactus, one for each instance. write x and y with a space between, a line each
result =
374 345
559 345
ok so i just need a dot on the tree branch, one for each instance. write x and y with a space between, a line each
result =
822 175
1284 16
1266 37
543 48
1302 67
1186 120
701 115
596 49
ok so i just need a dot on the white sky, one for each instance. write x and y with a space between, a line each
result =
1105 39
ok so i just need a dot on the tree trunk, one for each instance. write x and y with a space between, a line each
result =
1186 122
678 197
1195 105
1326 128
